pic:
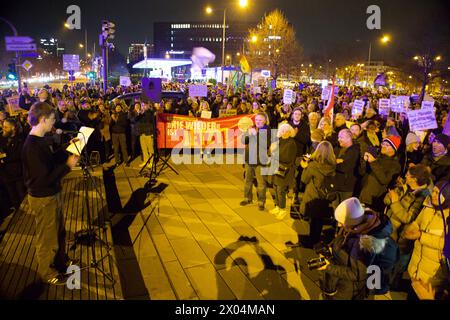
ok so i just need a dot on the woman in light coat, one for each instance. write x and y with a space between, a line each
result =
427 270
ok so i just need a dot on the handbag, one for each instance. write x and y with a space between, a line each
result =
282 171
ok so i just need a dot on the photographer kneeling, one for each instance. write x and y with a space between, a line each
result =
364 240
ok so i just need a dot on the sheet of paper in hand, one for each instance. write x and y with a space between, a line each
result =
80 141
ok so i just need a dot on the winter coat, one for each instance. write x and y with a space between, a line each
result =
375 183
104 127
347 171
312 177
427 254
353 251
303 136
404 211
11 166
287 151
119 126
254 155
144 123
440 169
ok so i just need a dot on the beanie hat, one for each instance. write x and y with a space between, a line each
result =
412 138
443 139
317 135
349 212
394 141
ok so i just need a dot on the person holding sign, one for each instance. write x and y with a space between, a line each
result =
43 172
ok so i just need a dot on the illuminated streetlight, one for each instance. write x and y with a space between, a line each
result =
277 51
254 39
243 3
416 58
238 54
410 77
89 55
438 58
167 56
228 57
81 45
310 65
385 39
66 25
209 10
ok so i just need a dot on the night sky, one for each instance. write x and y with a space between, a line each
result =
323 26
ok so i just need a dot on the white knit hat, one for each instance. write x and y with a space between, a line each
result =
349 212
412 138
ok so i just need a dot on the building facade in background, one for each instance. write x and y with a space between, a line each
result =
139 51
177 39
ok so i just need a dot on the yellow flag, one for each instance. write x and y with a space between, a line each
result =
245 67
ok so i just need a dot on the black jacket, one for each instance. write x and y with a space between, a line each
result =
11 165
120 125
347 171
303 136
440 169
42 169
257 146
354 251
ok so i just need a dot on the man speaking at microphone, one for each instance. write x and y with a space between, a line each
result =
43 172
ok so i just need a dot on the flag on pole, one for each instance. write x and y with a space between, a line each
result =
201 57
329 109
245 67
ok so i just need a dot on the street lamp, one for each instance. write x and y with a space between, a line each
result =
438 58
384 40
209 10
254 39
81 45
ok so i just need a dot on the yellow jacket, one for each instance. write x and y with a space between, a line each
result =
427 255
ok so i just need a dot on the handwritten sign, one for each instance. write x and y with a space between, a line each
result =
325 93
206 114
428 105
384 106
446 129
288 96
422 119
13 105
358 107
399 104
198 91
125 81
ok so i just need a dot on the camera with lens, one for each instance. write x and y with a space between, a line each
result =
325 252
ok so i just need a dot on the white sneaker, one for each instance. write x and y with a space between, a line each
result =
275 210
281 214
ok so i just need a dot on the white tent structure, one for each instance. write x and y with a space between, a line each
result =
162 68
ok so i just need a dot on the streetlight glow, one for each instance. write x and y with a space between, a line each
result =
243 3
81 45
385 39
438 58
254 39
209 10
416 58
66 25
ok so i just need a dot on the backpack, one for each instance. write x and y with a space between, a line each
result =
327 188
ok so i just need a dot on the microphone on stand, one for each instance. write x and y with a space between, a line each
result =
61 131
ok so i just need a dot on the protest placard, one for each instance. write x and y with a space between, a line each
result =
125 81
198 91
288 96
399 103
325 93
384 106
206 114
358 107
422 119
428 105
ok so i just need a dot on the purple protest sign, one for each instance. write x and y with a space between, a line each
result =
446 129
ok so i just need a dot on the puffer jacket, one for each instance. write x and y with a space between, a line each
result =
312 177
354 250
405 211
375 184
427 254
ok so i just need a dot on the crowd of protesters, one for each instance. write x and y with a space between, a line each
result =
386 181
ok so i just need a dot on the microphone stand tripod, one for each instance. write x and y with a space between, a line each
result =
88 236
155 158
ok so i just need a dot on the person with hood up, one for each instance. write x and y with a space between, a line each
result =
363 241
439 159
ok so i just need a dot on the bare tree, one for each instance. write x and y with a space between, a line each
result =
273 45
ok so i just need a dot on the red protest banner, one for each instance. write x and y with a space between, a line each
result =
175 131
